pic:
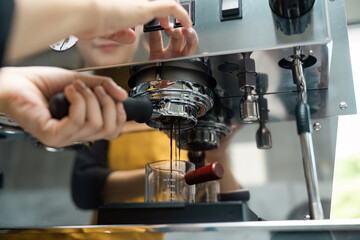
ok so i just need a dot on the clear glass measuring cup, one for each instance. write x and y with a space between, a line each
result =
164 181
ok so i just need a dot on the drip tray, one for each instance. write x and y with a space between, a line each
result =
174 212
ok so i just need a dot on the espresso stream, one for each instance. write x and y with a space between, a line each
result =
175 126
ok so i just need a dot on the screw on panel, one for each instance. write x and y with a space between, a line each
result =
307 217
317 126
343 106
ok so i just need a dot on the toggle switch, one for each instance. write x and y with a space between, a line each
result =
154 25
230 9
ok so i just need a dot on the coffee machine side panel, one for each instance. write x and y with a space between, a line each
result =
256 30
341 95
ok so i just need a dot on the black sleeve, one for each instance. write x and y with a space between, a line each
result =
6 12
89 175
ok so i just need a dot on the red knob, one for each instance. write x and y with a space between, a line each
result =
207 173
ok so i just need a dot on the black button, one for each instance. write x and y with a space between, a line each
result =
188 5
154 25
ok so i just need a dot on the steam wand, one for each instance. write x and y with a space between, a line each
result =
303 123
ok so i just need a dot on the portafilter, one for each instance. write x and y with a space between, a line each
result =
180 91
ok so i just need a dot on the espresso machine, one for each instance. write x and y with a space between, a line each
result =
248 77
255 63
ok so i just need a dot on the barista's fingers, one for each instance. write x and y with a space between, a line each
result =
169 30
93 122
164 22
77 108
155 45
114 90
176 42
69 125
192 41
108 113
162 9
127 36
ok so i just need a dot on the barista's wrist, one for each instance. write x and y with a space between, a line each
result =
89 18
4 94
2 97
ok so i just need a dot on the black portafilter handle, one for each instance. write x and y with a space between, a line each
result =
137 109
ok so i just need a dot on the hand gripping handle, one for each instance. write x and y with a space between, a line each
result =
137 109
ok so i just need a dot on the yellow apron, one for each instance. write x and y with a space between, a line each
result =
133 150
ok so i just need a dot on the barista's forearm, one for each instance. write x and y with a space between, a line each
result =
38 23
124 185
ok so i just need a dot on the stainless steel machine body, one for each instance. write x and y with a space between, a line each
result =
329 82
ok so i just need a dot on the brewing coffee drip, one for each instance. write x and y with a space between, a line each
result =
180 91
174 178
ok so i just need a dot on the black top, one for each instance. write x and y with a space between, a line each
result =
89 175
6 12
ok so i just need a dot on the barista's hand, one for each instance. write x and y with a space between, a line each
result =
24 96
116 17
86 19
176 46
